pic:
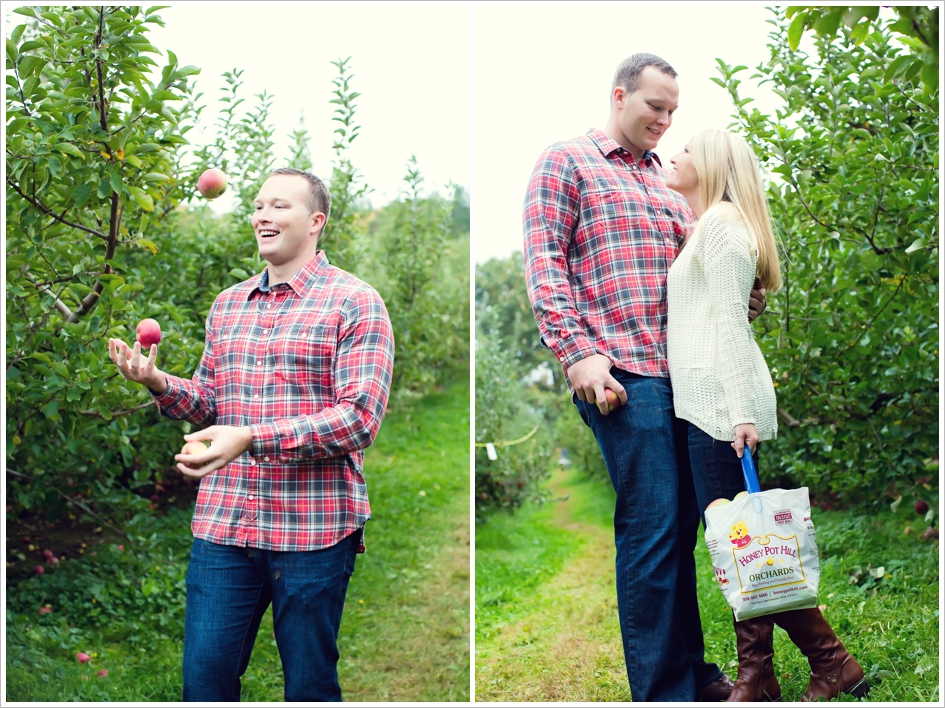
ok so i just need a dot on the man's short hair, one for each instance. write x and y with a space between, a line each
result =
627 75
318 197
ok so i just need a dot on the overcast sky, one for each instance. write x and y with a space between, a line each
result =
544 72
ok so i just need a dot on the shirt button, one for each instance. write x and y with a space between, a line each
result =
304 334
252 461
265 331
266 458
250 497
256 396
258 363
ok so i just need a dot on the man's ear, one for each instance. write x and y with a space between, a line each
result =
619 95
317 223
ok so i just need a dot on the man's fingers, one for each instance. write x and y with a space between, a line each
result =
600 398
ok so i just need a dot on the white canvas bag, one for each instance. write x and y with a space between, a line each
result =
763 549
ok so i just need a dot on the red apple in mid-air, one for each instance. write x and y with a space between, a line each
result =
921 507
194 447
148 332
612 400
211 184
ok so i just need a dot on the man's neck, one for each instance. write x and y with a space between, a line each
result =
284 272
613 131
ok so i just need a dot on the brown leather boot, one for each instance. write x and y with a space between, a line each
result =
832 669
756 680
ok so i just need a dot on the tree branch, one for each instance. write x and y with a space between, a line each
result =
75 501
46 210
115 414
902 279
67 314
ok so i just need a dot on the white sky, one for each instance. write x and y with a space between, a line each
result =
411 64
543 73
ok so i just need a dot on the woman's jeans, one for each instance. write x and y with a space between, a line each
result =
655 527
716 467
228 591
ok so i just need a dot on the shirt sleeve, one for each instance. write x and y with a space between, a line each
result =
730 272
193 400
551 214
363 369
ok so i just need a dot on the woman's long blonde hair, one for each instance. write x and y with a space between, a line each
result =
728 171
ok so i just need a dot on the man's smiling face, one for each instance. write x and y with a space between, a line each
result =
286 228
647 113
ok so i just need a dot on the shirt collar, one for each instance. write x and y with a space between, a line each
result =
607 145
301 282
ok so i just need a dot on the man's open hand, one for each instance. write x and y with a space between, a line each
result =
227 442
134 366
590 376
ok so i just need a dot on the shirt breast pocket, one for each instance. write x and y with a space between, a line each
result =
305 357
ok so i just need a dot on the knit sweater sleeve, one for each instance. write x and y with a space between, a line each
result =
729 266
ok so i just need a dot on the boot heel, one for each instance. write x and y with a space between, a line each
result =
860 689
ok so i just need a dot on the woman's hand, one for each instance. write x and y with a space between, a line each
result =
745 434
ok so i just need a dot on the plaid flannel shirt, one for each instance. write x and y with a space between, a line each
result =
601 232
307 366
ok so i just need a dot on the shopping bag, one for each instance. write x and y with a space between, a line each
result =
763 549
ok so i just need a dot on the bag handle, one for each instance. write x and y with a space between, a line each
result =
749 473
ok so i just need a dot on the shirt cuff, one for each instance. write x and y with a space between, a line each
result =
266 439
569 348
171 396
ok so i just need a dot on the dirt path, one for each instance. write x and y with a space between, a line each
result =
568 648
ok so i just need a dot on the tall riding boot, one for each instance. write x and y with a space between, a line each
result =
756 680
832 669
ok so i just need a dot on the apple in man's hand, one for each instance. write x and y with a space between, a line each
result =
211 184
612 400
194 447
147 333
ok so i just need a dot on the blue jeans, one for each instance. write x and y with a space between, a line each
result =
716 469
229 589
655 529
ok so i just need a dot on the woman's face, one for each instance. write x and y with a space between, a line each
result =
683 177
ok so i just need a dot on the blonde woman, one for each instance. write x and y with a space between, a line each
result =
722 387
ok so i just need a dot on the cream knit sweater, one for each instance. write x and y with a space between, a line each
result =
718 373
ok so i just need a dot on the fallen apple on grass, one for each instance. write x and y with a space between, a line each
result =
147 333
211 183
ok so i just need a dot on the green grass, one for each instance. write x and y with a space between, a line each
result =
405 631
547 630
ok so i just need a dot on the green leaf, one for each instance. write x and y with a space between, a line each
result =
30 45
69 149
104 189
143 198
916 245
51 410
860 32
796 30
155 177
28 11
81 194
930 77
12 53
114 179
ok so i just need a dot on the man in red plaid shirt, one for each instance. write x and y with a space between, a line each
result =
601 231
293 384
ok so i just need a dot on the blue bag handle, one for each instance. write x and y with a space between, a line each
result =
749 473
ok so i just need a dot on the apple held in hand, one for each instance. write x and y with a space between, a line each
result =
612 400
147 333
194 447
211 184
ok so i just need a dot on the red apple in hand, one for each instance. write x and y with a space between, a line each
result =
147 333
612 400
194 447
211 184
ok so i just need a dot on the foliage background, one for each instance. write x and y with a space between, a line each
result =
852 337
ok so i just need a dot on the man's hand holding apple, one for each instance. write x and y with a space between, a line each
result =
227 442
590 377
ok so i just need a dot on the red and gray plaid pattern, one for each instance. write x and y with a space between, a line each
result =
601 232
307 365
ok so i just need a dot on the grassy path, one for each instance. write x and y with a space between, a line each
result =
547 628
562 641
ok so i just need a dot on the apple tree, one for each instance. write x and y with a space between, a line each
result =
852 338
